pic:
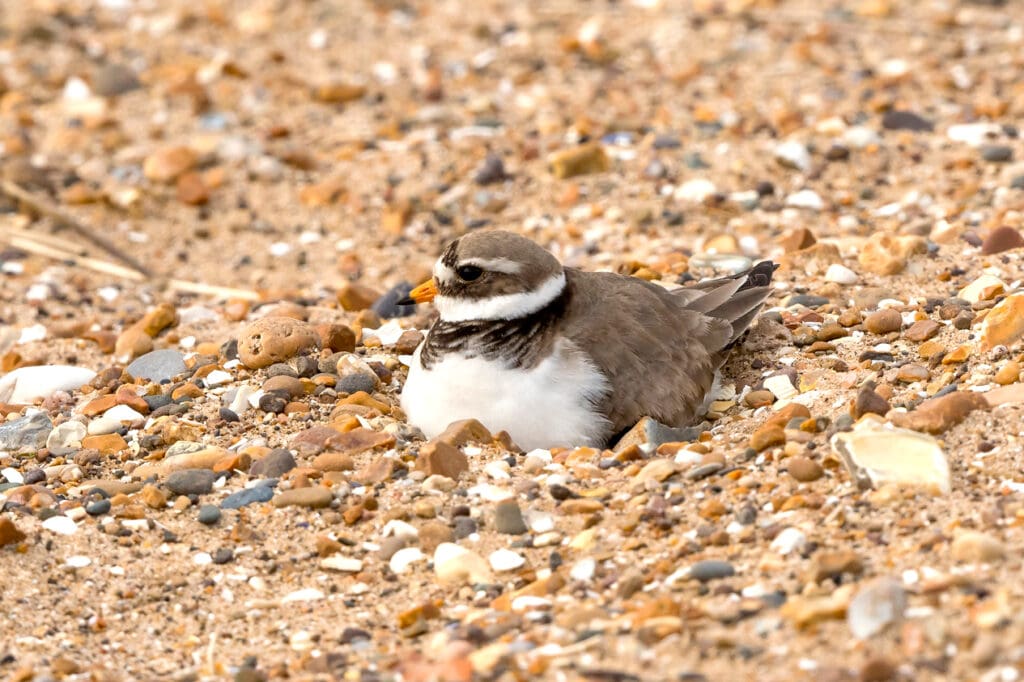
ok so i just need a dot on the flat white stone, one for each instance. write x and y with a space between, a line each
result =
505 560
61 525
66 438
307 594
402 560
29 384
345 564
840 274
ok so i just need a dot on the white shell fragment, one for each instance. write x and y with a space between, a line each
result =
877 453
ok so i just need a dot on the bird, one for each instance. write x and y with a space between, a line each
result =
560 357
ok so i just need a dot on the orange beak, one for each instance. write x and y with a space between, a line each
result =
425 292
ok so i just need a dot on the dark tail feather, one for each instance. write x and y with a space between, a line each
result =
737 299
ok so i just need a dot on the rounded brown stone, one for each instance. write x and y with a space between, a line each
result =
1002 239
883 321
767 436
804 469
275 339
287 385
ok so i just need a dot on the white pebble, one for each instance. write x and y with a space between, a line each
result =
12 475
400 529
794 154
113 419
455 564
78 561
840 274
805 198
307 594
61 525
780 386
345 564
217 377
696 190
788 541
402 560
505 560
29 384
202 559
974 134
583 570
65 438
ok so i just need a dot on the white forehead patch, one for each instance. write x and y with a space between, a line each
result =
442 273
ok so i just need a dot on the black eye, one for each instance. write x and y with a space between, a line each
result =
467 273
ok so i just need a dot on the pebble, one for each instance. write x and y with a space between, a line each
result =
806 198
402 560
243 498
191 482
1004 324
781 387
710 569
877 604
804 469
996 153
10 534
938 415
274 464
695 190
343 564
387 305
650 434
895 119
1002 239
113 79
208 515
508 518
922 330
454 564
315 497
788 541
27 385
582 160
114 419
503 560
28 433
167 163
61 525
984 288
840 274
438 458
491 171
97 507
977 548
65 438
867 453
833 564
884 321
275 339
793 154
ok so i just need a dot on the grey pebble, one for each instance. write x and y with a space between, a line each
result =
353 383
997 153
703 470
243 498
25 433
275 464
711 569
223 555
463 527
97 507
508 518
158 365
191 481
209 514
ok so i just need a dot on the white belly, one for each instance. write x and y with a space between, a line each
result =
546 406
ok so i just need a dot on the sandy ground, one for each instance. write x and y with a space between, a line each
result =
303 158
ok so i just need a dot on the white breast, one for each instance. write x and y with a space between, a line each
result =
546 406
